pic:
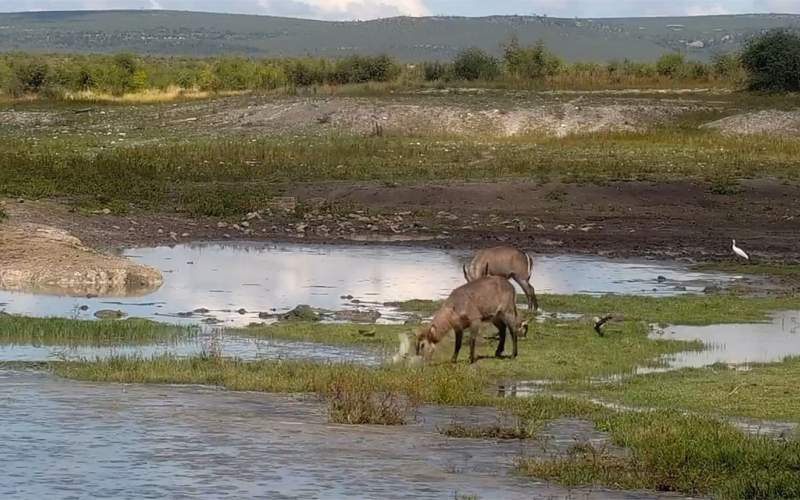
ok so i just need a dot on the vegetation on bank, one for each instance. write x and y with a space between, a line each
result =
769 62
678 310
15 330
92 76
230 176
670 451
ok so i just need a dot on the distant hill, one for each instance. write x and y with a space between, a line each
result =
409 39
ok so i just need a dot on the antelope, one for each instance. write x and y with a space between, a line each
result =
488 299
507 262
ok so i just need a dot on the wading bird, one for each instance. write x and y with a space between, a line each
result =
738 251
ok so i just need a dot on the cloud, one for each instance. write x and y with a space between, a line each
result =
368 9
318 9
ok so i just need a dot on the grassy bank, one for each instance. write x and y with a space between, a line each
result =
763 391
687 454
57 331
235 174
678 310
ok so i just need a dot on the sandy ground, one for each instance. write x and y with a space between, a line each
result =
44 259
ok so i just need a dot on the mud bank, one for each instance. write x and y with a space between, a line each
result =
43 259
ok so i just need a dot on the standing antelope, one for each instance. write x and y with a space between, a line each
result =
488 299
507 262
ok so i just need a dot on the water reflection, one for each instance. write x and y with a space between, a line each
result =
737 344
236 281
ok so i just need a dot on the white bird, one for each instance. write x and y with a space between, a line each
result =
738 251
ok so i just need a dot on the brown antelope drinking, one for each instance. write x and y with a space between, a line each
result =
488 299
507 262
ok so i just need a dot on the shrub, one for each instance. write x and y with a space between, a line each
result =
475 64
434 70
670 65
31 75
772 61
305 72
530 62
362 69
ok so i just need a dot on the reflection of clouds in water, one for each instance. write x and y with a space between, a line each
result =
263 276
766 342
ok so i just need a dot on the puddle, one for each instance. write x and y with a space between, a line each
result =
235 281
736 344
71 439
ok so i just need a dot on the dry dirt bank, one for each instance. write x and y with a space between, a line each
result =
678 219
45 259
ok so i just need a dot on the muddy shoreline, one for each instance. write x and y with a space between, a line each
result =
678 220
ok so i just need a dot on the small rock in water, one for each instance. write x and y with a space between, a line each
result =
368 316
201 310
661 279
302 312
265 315
109 314
347 297
212 321
187 314
84 307
413 319
242 311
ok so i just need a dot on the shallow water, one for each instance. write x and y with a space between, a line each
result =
262 277
736 344
64 439
216 342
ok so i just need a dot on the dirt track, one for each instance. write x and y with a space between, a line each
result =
619 219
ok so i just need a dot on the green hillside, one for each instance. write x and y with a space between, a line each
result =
409 39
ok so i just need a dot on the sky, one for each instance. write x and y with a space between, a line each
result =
370 9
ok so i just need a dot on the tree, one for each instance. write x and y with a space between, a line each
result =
772 61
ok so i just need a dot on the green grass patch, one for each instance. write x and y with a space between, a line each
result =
17 330
678 310
566 351
674 452
767 391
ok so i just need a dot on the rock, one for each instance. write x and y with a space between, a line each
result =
413 319
201 310
283 203
222 225
185 235
347 297
244 224
661 279
186 314
265 315
109 314
302 312
711 289
84 307
106 211
211 321
242 311
252 215
357 316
